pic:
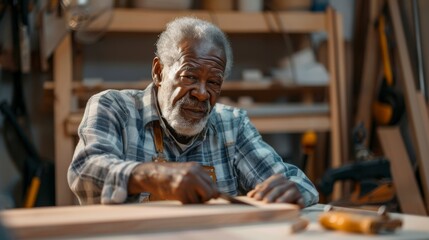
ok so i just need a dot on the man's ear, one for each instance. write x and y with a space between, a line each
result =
157 71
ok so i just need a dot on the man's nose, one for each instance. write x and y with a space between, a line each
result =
200 92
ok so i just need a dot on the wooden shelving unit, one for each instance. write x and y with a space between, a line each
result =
325 117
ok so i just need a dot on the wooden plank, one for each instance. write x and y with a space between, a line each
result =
417 120
64 145
297 22
268 124
236 85
52 31
334 101
292 124
343 103
407 191
230 21
148 217
141 20
421 101
371 65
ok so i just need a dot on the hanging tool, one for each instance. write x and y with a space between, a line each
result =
358 221
390 106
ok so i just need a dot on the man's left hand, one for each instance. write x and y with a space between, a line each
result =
277 189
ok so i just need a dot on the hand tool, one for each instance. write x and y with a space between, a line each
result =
359 221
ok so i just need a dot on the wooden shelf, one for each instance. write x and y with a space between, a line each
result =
140 20
292 118
227 86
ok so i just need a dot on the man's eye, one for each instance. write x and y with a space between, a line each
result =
215 83
190 77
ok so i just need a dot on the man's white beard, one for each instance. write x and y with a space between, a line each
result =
175 119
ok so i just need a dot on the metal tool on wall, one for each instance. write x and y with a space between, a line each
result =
389 105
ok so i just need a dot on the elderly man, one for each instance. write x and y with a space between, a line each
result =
173 141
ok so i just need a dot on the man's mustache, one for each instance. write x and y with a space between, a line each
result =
188 102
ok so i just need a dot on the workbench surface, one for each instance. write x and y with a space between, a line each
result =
414 227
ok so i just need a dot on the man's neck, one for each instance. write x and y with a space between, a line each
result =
180 138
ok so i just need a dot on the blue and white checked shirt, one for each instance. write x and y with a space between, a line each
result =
116 134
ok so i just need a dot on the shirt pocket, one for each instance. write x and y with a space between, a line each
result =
228 186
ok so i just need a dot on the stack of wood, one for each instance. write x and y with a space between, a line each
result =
409 158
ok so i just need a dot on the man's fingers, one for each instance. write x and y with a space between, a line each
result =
277 192
251 193
277 189
292 195
192 197
268 185
206 189
301 202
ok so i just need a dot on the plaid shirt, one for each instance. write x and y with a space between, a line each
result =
116 134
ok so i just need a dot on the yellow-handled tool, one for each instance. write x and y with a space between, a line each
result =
359 221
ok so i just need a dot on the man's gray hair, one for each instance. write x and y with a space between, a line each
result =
191 28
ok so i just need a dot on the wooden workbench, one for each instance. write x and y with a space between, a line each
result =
207 222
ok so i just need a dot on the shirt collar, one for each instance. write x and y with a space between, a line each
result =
150 113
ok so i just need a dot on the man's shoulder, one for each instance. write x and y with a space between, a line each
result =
118 94
129 98
228 112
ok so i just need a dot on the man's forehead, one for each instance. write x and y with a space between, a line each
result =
194 43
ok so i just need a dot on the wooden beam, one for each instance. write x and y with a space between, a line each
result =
343 103
406 186
62 98
140 20
297 22
268 124
418 121
93 220
333 101
236 85
370 70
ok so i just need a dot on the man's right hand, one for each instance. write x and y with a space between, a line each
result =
186 182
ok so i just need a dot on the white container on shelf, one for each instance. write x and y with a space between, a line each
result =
163 4
250 5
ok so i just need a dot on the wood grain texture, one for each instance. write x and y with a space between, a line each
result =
64 145
343 103
140 20
334 101
417 116
371 64
408 193
149 217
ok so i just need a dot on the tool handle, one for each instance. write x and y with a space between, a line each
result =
349 222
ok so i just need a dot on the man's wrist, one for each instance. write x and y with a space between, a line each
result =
140 179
